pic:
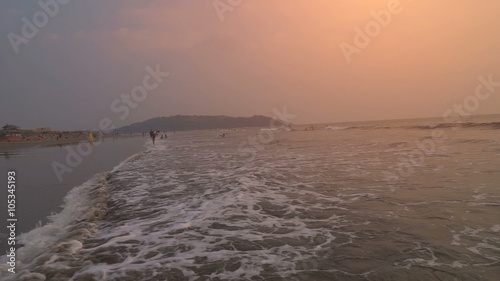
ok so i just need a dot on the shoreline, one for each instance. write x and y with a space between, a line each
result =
38 179
12 146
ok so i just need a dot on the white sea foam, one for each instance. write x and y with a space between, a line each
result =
428 126
230 219
495 228
64 233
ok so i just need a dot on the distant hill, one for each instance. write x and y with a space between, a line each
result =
187 122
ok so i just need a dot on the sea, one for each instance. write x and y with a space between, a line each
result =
415 199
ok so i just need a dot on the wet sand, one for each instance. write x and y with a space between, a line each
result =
8 146
4 146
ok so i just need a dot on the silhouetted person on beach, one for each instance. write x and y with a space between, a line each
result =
152 134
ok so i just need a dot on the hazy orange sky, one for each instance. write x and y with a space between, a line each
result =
248 59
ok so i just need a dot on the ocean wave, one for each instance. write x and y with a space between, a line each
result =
64 234
428 126
173 219
333 128
424 126
483 125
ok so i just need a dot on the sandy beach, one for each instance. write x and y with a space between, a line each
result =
5 146
9 146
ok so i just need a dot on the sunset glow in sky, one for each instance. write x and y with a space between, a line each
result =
247 58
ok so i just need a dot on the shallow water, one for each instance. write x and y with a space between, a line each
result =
350 202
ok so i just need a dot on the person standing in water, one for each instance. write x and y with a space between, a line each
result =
152 134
